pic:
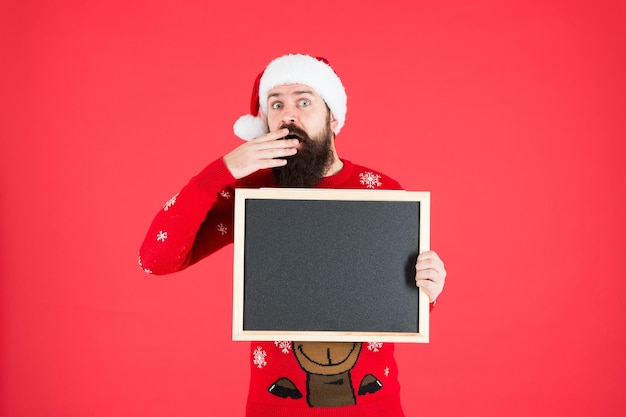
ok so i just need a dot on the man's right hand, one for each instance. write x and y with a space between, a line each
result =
267 151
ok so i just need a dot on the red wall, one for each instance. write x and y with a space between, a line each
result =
510 113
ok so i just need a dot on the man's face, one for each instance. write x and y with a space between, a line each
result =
298 105
298 108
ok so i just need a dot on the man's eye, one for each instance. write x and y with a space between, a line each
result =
277 105
304 102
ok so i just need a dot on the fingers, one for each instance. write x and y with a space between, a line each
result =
270 136
270 147
430 274
266 151
431 289
430 261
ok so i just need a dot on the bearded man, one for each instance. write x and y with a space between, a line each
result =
298 107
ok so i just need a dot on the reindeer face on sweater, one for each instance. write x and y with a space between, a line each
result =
326 358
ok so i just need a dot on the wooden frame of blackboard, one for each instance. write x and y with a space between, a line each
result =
279 222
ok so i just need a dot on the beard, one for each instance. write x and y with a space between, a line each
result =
309 165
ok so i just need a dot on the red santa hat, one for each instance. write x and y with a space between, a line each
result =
314 72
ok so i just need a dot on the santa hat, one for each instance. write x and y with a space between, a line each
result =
314 72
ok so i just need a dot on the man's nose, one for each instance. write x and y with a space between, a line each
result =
289 114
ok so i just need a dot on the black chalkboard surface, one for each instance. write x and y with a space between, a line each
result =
329 265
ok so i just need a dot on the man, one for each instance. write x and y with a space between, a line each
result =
298 107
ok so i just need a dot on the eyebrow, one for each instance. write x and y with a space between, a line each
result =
293 93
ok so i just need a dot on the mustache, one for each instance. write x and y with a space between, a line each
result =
295 132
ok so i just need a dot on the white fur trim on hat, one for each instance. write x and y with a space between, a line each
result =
295 69
248 127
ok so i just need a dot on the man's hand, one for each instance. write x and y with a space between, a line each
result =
430 274
267 151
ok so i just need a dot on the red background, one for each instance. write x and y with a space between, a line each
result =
510 113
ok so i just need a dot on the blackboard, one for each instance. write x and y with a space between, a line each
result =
329 265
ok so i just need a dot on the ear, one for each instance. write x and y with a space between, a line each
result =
333 122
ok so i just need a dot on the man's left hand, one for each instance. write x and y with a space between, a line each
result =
430 274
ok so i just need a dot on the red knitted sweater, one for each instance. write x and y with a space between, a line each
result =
284 379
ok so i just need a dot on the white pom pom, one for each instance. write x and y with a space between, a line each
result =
248 127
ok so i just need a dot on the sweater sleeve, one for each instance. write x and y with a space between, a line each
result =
191 225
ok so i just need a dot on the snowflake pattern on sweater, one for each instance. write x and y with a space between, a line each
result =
370 180
259 356
284 346
170 203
